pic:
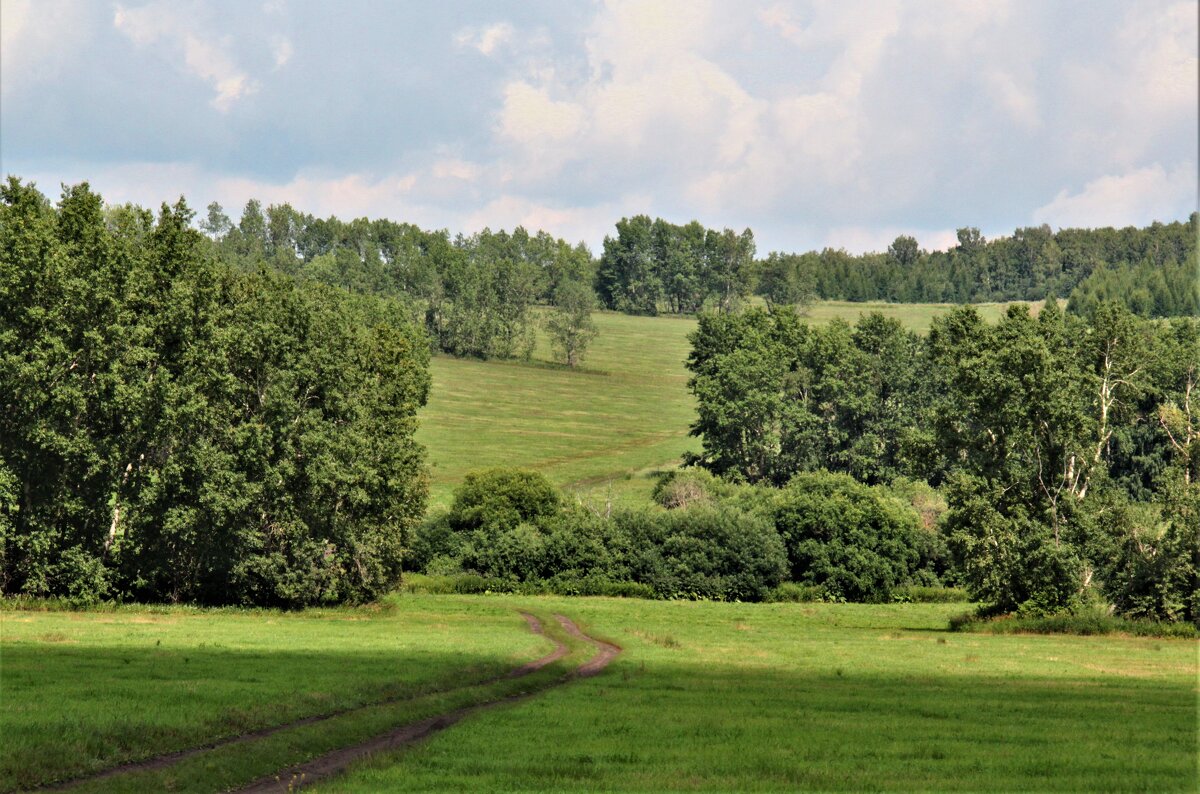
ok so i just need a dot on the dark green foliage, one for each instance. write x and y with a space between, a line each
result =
1085 623
178 431
1152 271
848 538
511 526
498 499
703 552
776 397
655 266
473 294
1040 433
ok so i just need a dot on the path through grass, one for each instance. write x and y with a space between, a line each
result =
735 697
84 691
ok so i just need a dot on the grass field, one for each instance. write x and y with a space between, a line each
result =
83 691
602 431
705 696
831 697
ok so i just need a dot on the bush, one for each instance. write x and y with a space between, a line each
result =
704 552
918 594
501 498
1082 623
851 539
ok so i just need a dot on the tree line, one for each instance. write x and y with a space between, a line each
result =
473 294
652 267
1153 270
1068 448
176 429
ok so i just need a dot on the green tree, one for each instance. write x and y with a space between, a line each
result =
570 321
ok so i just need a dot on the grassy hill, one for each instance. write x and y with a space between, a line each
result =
603 430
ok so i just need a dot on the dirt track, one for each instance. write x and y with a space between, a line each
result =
336 761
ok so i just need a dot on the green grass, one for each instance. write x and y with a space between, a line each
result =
83 691
705 696
603 431
830 697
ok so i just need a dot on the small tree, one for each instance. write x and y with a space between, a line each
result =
570 323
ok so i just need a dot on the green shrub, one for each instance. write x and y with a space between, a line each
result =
918 594
1082 623
851 539
502 498
704 552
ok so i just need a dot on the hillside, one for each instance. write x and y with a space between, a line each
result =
603 430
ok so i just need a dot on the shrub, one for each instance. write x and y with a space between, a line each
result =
683 488
501 498
790 592
704 552
852 539
1083 623
918 594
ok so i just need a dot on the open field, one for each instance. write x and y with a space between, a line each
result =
705 695
604 430
83 691
811 696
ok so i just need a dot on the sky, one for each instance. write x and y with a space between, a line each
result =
816 124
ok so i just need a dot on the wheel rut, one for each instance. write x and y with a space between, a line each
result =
333 762
337 761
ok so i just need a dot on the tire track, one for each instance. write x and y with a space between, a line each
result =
166 760
336 762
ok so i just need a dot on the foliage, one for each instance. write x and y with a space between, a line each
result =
776 396
1152 271
182 432
1085 623
654 266
570 322
848 538
1036 430
510 525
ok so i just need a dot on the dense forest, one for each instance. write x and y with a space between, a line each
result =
172 429
1067 448
472 294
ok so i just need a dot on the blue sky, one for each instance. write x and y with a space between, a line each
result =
814 123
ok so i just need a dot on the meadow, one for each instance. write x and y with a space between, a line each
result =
714 696
603 430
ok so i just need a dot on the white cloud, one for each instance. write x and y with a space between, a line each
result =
530 117
1137 197
205 57
486 40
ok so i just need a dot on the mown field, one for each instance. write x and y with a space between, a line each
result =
830 697
603 430
705 696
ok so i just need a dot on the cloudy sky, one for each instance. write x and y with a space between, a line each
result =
814 123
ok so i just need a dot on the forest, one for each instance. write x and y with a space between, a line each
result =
209 412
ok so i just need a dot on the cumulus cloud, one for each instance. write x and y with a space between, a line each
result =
1137 197
814 122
